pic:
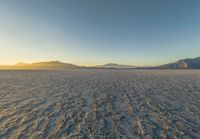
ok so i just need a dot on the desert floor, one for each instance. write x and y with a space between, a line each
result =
104 103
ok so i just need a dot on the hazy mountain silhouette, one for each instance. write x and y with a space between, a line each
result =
114 65
42 65
189 63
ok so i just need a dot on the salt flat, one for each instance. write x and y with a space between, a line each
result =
100 104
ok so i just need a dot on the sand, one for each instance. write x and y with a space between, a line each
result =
100 104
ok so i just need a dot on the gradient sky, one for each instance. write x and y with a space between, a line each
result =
91 32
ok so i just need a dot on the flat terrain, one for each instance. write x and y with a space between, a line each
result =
100 104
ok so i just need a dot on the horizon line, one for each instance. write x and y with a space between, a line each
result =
88 65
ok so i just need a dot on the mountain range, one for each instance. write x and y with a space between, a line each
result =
189 63
43 65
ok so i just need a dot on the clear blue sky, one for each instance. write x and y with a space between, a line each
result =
90 32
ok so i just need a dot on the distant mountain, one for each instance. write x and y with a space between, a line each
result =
42 65
114 65
189 63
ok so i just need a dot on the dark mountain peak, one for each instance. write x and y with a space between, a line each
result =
190 59
188 63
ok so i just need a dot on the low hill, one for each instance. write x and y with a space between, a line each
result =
114 65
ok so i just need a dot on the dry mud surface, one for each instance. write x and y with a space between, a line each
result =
100 104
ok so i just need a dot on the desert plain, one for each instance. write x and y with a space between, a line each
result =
100 103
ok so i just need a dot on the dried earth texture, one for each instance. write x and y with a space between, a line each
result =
100 104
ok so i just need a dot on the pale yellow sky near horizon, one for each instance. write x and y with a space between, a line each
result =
10 55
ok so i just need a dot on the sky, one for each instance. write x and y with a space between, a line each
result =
95 32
